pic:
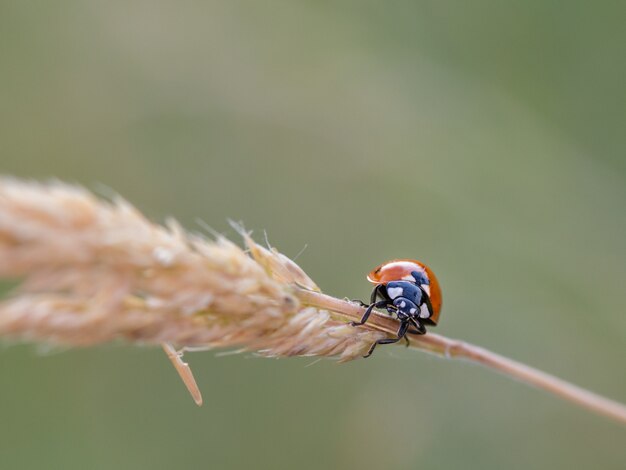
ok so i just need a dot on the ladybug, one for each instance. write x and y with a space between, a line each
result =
408 289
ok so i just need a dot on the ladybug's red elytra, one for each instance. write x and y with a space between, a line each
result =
408 289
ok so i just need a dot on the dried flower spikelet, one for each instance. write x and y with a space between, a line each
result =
92 270
276 264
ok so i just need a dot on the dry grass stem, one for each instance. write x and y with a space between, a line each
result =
451 348
93 271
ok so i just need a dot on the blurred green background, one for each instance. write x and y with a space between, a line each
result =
485 138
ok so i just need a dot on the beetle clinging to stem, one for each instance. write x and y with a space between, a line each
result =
408 289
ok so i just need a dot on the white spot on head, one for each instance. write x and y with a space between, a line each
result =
413 310
424 313
394 292
403 304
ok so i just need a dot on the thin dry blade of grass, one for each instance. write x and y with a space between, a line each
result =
93 271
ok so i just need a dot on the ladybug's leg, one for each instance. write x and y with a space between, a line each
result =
404 326
376 293
419 328
373 297
368 312
373 304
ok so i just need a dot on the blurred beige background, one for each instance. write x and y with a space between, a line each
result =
484 138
